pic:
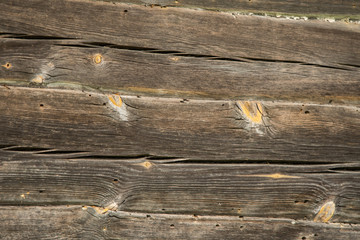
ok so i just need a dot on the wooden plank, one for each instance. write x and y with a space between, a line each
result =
154 185
74 223
182 128
311 8
71 64
187 31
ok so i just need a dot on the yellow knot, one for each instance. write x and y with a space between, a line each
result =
252 110
97 58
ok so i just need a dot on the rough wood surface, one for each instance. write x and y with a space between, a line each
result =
347 8
154 185
194 32
122 121
76 222
70 64
181 128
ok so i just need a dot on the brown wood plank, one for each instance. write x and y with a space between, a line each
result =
191 129
74 223
187 31
154 185
63 63
313 8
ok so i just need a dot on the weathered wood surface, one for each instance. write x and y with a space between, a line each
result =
190 129
122 121
149 185
139 71
312 8
88 223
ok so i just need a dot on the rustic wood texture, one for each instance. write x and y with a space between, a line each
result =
188 32
149 185
181 128
75 222
141 71
123 121
347 8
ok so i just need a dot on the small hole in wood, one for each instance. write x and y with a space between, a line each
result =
307 112
216 225
296 201
41 105
172 225
305 201
330 101
116 180
241 216
163 209
241 226
7 65
303 238
148 216
104 103
89 95
41 191
125 11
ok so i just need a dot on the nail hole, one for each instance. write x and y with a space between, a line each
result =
148 216
7 65
305 201
330 101
104 103
296 201
216 225
172 225
241 226
115 180
315 235
303 238
307 112
41 191
89 95
41 105
125 10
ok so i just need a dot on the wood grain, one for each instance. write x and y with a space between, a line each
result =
185 30
74 223
154 185
305 8
182 128
70 63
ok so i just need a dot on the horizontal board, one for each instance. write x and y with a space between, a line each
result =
187 31
159 185
248 131
74 223
313 8
71 64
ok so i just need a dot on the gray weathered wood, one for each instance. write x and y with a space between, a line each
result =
63 63
191 129
154 185
187 31
310 8
73 222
